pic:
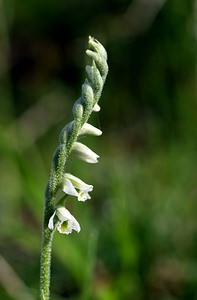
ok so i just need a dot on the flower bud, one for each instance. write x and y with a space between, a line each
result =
96 108
89 129
85 153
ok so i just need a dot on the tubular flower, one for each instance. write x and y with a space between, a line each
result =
71 183
89 129
85 153
66 222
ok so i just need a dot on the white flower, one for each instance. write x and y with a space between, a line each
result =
85 153
96 108
71 183
67 222
89 129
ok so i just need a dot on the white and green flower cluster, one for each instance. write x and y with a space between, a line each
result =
58 217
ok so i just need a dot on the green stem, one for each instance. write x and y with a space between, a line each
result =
91 91
45 270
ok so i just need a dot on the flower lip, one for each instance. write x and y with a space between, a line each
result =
71 183
66 222
85 153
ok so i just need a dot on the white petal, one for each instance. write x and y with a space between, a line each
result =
85 153
68 188
86 188
96 108
83 196
71 223
77 182
63 214
51 224
89 129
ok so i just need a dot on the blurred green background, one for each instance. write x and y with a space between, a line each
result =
139 232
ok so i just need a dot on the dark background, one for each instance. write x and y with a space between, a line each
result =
139 233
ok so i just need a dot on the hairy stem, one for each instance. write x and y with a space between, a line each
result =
45 272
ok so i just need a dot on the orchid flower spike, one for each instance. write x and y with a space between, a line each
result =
56 216
71 184
85 153
66 222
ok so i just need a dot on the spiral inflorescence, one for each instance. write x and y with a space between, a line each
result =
82 109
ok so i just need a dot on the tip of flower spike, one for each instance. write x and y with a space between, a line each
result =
96 46
91 39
